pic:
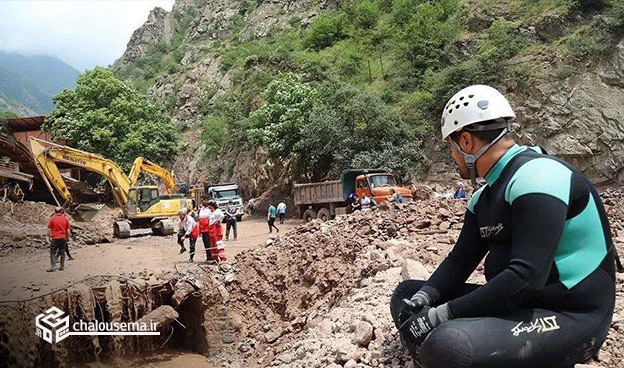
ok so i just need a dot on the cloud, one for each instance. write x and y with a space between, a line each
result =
83 33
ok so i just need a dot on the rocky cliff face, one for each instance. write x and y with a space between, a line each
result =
200 77
159 27
579 117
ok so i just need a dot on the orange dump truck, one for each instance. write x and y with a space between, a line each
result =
327 199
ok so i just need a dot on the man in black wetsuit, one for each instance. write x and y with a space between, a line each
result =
550 291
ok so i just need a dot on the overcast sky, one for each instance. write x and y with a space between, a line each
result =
83 33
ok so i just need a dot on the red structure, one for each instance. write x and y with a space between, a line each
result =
24 128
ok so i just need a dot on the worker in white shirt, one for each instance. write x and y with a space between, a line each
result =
187 228
281 211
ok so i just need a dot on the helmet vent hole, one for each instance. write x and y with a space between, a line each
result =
461 98
450 111
456 122
457 106
465 103
452 102
470 96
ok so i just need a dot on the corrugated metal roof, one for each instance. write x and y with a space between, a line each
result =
26 123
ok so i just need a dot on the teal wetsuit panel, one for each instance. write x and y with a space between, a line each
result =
582 246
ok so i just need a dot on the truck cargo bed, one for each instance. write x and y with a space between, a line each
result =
324 192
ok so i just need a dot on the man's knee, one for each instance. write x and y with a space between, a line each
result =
447 347
405 290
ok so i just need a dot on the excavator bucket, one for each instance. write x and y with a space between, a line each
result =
86 212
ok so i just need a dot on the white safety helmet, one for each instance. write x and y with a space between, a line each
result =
471 106
183 212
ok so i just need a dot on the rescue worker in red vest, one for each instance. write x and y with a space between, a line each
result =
204 226
187 228
217 248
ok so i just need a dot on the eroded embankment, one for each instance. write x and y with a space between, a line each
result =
315 297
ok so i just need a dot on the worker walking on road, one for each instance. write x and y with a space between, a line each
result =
204 226
550 268
281 211
230 220
271 218
217 248
251 206
59 233
187 229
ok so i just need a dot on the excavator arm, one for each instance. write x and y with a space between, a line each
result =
143 164
47 155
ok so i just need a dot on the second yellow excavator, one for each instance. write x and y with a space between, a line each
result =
142 164
142 206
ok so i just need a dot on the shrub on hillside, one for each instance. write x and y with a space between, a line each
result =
326 30
4 116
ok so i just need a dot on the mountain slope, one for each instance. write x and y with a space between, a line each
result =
28 83
208 63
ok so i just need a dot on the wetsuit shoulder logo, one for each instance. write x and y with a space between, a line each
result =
540 325
487 231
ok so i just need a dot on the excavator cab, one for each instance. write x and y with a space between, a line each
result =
140 199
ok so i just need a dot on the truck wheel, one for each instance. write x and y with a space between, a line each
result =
121 229
324 214
239 218
309 215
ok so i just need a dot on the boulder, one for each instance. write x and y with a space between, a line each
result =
413 270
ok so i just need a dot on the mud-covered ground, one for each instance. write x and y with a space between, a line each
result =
315 296
143 256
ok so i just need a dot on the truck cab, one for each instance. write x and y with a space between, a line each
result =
224 193
379 186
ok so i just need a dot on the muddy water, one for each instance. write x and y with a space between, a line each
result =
163 360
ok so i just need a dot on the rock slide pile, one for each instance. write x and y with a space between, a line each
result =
318 296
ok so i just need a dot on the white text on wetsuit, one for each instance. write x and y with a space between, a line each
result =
540 325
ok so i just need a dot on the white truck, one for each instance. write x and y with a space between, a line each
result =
225 193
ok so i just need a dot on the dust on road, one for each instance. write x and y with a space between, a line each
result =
142 256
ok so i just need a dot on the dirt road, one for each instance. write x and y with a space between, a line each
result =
143 256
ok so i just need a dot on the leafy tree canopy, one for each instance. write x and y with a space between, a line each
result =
4 116
103 115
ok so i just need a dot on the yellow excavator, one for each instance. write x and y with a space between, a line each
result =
142 164
142 206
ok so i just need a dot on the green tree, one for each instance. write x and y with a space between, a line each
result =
429 28
326 30
4 116
104 115
286 110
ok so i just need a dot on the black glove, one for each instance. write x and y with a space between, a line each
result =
415 330
417 302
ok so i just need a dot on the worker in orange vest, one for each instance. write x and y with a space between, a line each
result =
205 212
217 248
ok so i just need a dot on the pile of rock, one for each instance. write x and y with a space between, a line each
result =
320 293
295 283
